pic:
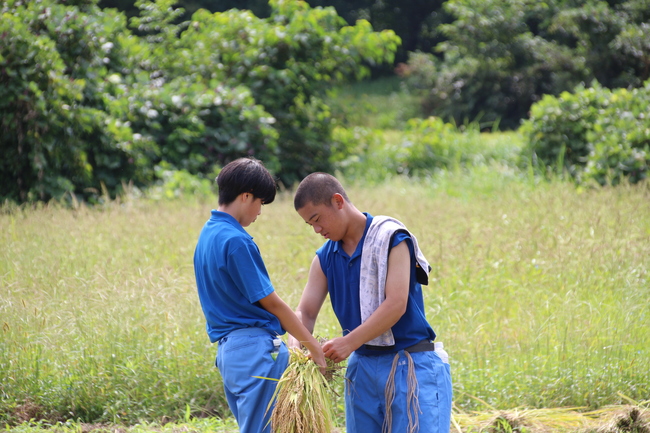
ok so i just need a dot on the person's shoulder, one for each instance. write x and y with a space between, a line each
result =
326 248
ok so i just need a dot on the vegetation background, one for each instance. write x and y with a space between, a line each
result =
512 137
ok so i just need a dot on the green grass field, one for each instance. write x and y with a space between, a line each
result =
539 292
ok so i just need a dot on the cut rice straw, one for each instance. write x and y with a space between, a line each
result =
303 398
568 419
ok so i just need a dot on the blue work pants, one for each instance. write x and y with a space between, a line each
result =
365 401
242 354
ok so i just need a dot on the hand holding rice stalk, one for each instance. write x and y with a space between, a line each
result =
303 397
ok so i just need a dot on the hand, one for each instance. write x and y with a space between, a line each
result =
338 349
319 359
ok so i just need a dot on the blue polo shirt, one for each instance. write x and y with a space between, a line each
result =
343 273
231 279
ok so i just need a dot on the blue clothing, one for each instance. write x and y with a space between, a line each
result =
365 404
343 274
231 278
242 355
369 370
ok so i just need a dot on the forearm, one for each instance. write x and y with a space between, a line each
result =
378 323
290 322
294 324
309 322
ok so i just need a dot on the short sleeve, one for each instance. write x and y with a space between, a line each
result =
249 273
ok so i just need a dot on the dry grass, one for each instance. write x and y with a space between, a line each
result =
633 418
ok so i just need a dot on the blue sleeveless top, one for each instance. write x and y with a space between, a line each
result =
343 275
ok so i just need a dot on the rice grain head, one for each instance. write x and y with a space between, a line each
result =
303 398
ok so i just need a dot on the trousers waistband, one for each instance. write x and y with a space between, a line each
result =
250 332
422 346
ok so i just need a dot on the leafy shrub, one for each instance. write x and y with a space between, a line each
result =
55 137
173 184
362 154
620 139
194 127
558 126
594 132
495 66
87 106
287 61
501 57
421 70
429 144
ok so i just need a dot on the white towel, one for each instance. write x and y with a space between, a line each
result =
374 268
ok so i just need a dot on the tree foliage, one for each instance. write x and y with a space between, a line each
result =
501 57
89 104
594 133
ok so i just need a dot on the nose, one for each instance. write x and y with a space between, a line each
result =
317 229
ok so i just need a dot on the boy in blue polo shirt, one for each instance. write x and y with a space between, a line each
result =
373 269
243 312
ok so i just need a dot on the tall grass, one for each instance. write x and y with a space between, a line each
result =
539 292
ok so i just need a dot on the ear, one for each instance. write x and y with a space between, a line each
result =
338 201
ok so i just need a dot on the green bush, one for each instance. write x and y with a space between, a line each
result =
57 136
557 127
194 127
86 106
494 63
287 61
430 144
499 57
363 154
620 139
593 133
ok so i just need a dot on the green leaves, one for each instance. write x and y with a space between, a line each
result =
502 57
90 105
598 134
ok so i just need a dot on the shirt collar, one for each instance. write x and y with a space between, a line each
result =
227 218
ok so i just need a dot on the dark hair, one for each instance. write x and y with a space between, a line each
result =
245 175
317 188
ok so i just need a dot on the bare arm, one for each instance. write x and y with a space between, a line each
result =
313 295
384 317
290 322
312 299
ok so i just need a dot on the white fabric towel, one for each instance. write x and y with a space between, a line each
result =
374 269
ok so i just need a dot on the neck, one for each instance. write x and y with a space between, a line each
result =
355 230
233 209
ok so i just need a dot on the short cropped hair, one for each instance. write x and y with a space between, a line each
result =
245 175
317 188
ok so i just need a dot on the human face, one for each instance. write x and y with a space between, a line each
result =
252 209
325 220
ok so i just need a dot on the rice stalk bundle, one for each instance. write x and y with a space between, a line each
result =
303 398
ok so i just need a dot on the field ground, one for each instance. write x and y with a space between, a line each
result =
633 418
539 292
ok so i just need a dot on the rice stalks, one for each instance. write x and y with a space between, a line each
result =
610 419
303 398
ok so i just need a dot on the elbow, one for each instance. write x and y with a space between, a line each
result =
401 310
398 309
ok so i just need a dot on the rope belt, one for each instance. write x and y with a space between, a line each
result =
412 392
